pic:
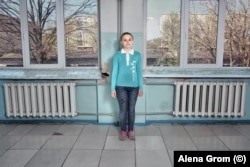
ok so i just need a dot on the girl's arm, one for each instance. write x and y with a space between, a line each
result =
114 73
139 72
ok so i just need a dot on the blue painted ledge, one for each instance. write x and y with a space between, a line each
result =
80 73
72 73
195 73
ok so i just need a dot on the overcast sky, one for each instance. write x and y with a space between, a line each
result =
155 9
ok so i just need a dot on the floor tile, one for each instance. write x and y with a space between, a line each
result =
243 129
21 129
236 142
152 158
179 143
149 143
43 129
8 141
60 142
199 130
30 142
90 141
93 129
151 130
118 158
70 130
113 131
48 158
2 151
171 155
82 158
173 131
113 143
6 128
16 158
224 130
69 145
209 143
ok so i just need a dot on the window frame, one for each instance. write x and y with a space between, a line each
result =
184 10
184 36
61 56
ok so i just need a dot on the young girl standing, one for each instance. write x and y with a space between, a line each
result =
126 84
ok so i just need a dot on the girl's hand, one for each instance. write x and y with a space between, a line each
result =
140 93
113 94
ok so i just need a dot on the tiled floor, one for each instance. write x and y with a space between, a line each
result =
88 145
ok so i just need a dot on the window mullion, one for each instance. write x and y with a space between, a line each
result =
60 33
25 34
184 33
144 63
221 32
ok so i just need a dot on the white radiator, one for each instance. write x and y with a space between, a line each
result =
40 99
208 99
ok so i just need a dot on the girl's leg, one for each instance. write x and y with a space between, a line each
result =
132 98
122 97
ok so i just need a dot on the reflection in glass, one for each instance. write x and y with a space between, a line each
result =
10 34
202 33
237 34
42 31
81 32
163 32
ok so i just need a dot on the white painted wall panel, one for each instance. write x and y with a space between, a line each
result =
108 15
133 15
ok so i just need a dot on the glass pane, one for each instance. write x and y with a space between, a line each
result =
81 32
42 31
163 32
10 34
237 34
202 33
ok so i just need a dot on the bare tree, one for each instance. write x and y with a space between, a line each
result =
170 42
167 48
237 36
42 23
203 32
10 32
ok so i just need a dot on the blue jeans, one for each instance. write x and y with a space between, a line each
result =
127 97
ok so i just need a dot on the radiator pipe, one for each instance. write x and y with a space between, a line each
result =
139 113
160 83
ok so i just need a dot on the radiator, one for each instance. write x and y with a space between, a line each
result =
40 99
210 99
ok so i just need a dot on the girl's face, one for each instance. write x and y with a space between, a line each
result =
127 41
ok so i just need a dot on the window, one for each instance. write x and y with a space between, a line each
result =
198 33
81 33
60 33
237 34
163 33
10 34
42 32
202 31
